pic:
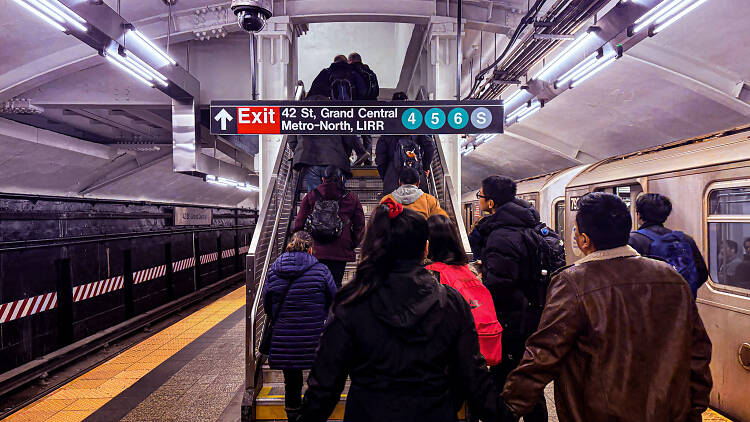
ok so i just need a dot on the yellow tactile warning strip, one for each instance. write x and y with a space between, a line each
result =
711 416
81 397
276 411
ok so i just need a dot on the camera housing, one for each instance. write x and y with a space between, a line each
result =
252 14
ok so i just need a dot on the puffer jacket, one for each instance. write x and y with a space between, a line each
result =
299 321
350 212
622 339
389 170
411 351
415 199
506 271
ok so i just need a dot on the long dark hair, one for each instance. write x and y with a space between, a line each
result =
386 241
445 244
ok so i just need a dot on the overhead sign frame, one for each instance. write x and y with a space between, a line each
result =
245 117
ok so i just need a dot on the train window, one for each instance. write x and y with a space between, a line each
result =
729 236
729 201
624 193
560 218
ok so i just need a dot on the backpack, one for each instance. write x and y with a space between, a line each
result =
408 153
482 307
324 223
550 252
341 84
675 248
371 81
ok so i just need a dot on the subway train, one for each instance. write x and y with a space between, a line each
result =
708 181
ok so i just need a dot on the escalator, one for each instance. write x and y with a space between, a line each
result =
264 388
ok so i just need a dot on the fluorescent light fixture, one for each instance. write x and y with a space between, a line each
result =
135 65
153 46
573 45
136 61
604 62
41 15
677 17
517 111
531 110
248 188
223 181
514 96
660 13
61 10
582 66
127 69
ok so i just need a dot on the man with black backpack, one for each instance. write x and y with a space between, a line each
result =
393 153
336 221
675 247
340 82
373 90
519 255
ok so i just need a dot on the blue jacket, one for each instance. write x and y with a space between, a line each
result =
297 328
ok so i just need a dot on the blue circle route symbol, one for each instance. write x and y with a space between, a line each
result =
458 118
434 118
411 119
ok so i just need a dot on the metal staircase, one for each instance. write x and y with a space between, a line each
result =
264 388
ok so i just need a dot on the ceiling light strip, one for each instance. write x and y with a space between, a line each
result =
664 8
677 17
153 46
41 15
127 69
67 14
586 63
580 79
577 42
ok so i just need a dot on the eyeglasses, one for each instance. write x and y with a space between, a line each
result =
480 195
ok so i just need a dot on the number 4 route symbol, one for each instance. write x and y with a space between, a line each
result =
224 117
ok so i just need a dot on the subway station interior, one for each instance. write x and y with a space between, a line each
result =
136 240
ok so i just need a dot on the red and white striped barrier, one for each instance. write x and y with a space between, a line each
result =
149 274
209 257
183 264
29 306
87 291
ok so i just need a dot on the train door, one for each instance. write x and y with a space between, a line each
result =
628 193
468 215
558 216
725 305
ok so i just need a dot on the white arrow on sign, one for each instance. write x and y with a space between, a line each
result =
224 117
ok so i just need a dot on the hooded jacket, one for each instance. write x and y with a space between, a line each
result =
408 347
350 212
301 313
622 339
415 199
389 170
506 267
367 75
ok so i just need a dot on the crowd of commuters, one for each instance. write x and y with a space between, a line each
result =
419 332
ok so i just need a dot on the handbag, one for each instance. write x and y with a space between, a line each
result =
265 341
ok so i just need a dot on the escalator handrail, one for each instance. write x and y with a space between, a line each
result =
268 201
453 200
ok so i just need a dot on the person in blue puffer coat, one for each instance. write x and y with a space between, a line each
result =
296 296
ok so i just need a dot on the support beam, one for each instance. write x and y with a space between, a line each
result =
103 120
571 155
108 176
419 37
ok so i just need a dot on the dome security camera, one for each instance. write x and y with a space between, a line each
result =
252 14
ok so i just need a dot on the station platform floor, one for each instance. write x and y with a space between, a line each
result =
190 371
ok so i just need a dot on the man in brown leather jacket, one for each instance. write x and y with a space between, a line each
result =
620 334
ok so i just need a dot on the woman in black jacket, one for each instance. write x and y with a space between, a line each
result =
407 342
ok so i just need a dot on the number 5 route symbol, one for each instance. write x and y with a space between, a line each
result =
411 119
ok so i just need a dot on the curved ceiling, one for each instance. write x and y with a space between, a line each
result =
676 85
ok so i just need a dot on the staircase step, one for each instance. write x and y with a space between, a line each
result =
365 172
270 401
